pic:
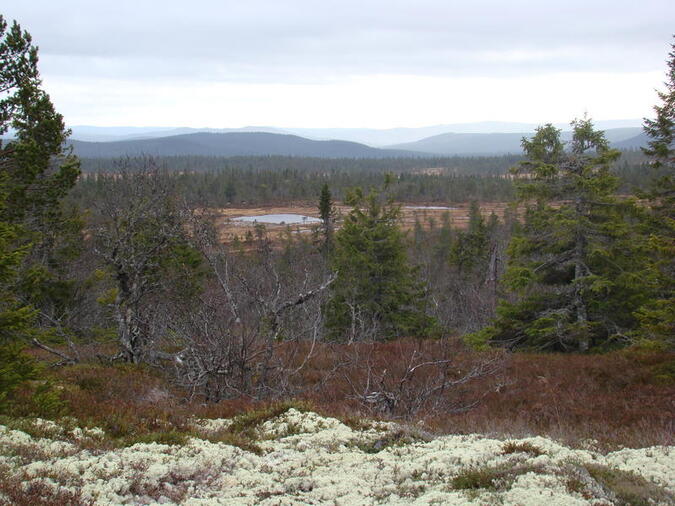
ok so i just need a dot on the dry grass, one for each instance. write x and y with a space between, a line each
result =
459 216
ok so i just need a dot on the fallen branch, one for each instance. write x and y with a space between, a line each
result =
67 360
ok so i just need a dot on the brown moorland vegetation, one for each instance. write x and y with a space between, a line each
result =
623 398
423 213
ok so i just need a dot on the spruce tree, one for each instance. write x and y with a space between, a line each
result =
376 294
327 215
16 319
471 247
657 316
570 261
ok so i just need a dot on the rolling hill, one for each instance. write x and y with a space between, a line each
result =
502 143
234 144
370 136
639 141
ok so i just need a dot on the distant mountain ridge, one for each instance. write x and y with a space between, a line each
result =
394 136
112 134
370 136
234 144
504 143
267 144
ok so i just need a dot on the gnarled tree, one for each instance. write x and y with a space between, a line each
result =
141 236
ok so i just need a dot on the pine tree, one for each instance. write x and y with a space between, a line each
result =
35 174
38 172
39 169
570 262
376 294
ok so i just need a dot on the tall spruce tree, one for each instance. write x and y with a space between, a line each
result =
327 215
657 316
376 294
570 261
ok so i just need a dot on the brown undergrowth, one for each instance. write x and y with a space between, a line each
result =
616 399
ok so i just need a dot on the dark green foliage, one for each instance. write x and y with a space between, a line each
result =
326 210
171 437
376 294
37 173
498 477
574 262
662 128
471 248
327 215
16 319
15 368
657 316
278 180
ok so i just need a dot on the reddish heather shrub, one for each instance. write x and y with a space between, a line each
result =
615 398
15 492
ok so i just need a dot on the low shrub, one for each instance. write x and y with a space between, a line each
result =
629 489
499 477
521 447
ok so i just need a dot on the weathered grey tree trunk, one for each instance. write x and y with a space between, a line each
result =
127 315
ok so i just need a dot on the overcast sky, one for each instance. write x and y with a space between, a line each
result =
347 63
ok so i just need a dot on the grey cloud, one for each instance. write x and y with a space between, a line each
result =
313 40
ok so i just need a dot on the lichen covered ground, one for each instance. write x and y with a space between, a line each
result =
302 458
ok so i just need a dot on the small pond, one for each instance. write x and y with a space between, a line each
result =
279 219
430 207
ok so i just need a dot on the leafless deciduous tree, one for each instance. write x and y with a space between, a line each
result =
138 222
259 299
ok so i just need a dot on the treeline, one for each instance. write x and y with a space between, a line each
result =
232 187
219 182
488 165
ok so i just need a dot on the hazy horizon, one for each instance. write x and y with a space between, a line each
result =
629 122
376 64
